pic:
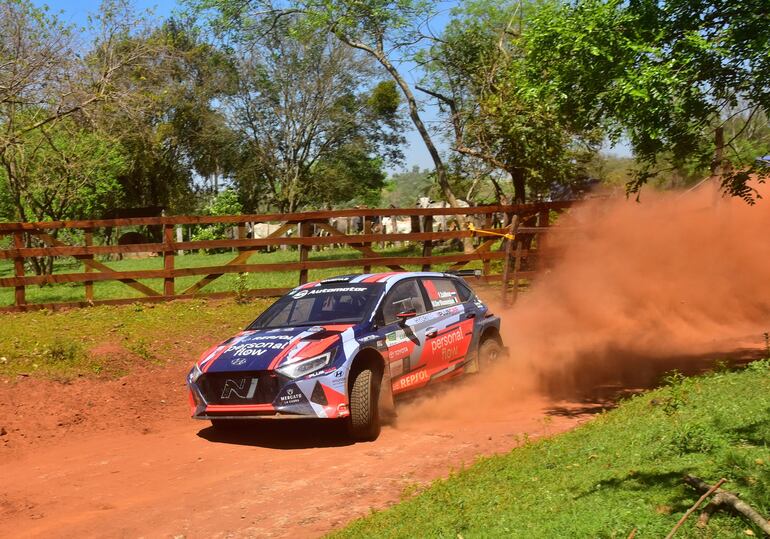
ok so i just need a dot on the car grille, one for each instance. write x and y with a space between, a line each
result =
239 387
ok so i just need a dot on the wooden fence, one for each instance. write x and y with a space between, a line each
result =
302 230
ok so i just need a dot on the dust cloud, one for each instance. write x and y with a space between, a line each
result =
637 289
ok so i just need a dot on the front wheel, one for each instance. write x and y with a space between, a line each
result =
364 420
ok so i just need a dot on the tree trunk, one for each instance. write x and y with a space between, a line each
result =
519 180
414 114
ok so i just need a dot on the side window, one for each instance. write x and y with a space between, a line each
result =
465 293
404 296
441 293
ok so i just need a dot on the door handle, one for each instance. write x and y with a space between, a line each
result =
431 332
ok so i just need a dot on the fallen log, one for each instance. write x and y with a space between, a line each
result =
708 493
729 499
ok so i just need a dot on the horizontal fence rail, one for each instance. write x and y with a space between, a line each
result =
31 248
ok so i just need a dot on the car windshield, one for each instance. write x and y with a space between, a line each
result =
337 303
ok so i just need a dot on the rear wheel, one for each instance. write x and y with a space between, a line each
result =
364 420
490 352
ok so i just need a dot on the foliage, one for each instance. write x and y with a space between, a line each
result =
670 76
496 113
303 102
64 171
404 188
166 118
224 203
622 471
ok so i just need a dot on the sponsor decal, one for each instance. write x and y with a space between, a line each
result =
257 348
396 337
398 352
239 388
448 345
445 299
317 291
453 337
239 361
292 396
411 379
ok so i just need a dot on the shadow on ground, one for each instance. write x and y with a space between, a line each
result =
281 434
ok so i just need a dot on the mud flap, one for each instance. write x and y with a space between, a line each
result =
386 404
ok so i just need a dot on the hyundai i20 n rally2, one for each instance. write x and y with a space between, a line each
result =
342 348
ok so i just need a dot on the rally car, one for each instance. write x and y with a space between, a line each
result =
343 348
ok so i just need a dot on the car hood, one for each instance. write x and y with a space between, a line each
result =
257 350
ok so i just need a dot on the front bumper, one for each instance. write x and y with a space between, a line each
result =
267 395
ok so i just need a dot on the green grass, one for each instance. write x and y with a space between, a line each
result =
229 282
619 472
62 345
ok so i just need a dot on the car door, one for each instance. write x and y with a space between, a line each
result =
405 335
450 328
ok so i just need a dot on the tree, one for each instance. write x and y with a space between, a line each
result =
44 80
494 111
62 172
306 115
164 113
670 76
379 28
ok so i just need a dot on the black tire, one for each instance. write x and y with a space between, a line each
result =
364 420
490 352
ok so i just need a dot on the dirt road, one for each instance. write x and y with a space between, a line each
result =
91 462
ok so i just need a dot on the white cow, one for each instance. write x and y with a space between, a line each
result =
402 226
440 222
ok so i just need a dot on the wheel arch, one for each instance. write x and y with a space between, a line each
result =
491 332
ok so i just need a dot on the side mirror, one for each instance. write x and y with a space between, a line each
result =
405 315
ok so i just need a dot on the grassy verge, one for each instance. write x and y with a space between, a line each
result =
228 282
619 472
107 340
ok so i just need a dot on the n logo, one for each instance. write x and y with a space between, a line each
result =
239 388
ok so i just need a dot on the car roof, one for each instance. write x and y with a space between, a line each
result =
388 277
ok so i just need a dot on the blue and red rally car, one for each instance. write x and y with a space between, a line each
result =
342 348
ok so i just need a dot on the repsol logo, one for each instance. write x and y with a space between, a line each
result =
411 379
447 339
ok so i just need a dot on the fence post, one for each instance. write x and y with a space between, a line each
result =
367 230
543 222
427 246
507 260
304 230
168 259
486 263
18 266
179 237
89 240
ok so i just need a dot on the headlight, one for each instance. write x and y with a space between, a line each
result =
195 373
306 366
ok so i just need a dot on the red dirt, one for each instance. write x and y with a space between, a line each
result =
121 459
